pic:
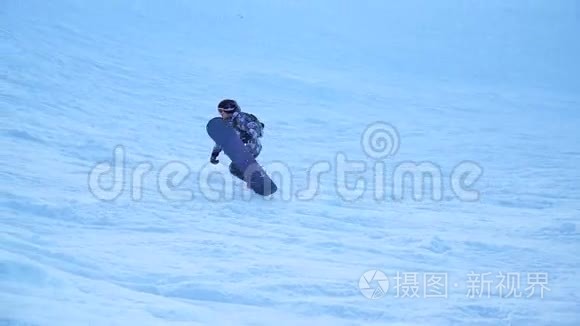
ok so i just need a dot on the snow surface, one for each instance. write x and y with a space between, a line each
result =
484 94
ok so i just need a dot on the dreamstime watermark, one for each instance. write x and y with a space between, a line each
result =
380 142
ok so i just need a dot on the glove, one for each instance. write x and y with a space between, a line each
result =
213 159
245 137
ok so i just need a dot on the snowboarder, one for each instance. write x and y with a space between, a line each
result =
246 125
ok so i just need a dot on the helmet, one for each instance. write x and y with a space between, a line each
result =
229 106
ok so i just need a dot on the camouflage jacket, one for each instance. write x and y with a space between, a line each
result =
248 129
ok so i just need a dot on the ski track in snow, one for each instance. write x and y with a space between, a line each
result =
79 81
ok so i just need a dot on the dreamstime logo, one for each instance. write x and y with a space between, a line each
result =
380 141
378 174
373 284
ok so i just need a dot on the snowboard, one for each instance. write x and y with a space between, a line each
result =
255 177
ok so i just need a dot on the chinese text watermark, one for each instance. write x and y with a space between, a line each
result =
375 284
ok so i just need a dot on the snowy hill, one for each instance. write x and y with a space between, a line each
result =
111 214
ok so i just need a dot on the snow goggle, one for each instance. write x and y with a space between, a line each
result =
227 110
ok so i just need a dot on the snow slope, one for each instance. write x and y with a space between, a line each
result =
482 96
